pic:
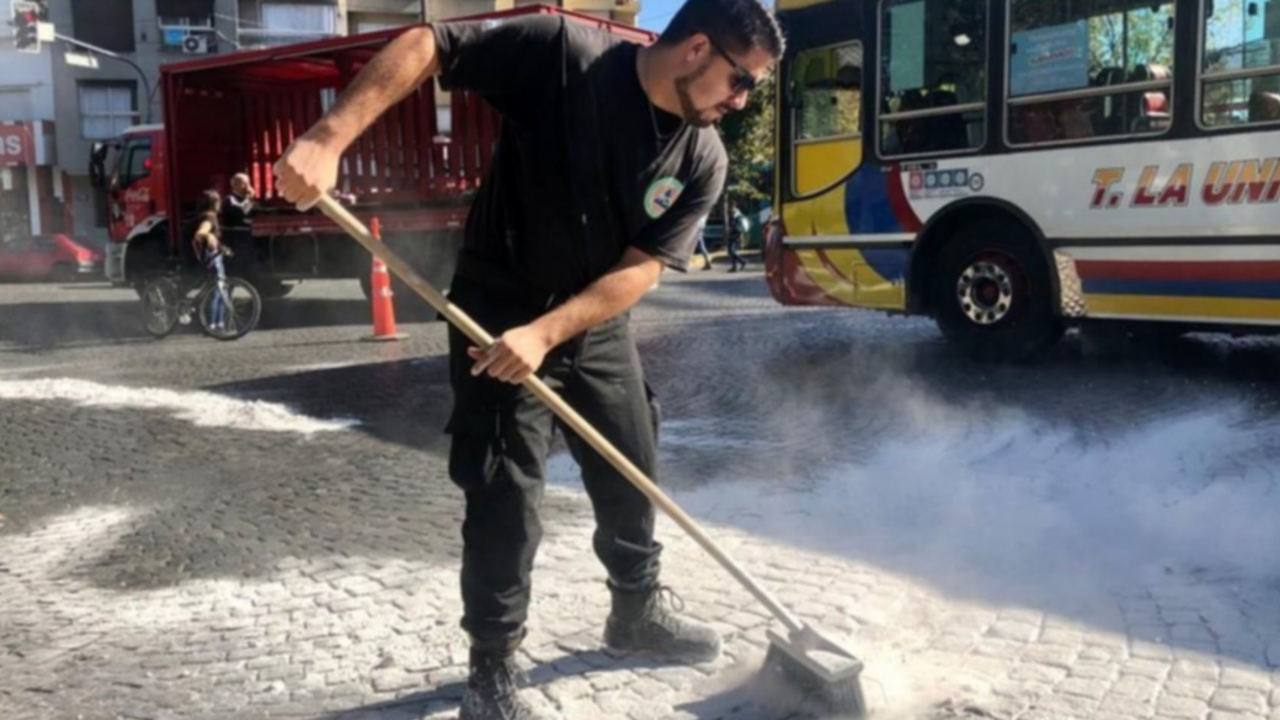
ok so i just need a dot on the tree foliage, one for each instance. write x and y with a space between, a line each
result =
749 140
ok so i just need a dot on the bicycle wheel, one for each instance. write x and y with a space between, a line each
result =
160 299
228 309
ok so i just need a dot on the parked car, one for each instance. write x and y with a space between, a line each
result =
49 257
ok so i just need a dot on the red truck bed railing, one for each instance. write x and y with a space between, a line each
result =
239 112
241 117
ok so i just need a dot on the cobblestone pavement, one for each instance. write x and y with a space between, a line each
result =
265 528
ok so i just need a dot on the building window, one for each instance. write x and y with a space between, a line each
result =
284 23
378 23
182 19
933 70
197 11
1078 70
107 109
105 23
1241 65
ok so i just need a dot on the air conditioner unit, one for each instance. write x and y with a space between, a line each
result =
195 44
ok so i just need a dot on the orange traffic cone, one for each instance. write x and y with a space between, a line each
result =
384 311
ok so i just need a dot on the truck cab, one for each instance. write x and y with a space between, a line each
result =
131 171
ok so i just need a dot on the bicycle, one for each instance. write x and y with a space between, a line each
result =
226 309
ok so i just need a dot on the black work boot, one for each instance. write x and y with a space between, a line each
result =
645 620
493 690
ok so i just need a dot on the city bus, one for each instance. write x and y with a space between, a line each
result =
1014 167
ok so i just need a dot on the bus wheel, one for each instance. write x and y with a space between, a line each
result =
992 293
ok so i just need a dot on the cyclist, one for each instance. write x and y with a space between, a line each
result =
207 243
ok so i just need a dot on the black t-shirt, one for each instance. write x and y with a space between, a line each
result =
585 165
236 210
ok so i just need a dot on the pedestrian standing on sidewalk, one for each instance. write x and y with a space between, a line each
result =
608 157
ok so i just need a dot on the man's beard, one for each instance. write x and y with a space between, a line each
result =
692 114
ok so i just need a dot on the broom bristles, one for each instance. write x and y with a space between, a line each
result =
789 681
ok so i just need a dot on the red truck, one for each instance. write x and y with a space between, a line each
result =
238 112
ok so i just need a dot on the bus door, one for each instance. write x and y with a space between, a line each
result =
823 106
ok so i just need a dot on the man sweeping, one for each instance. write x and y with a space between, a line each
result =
607 160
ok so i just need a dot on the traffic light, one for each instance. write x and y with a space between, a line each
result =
26 23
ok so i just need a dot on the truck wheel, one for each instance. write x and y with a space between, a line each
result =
992 293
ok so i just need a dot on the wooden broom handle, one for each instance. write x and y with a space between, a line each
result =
352 225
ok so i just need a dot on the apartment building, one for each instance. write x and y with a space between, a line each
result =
97 96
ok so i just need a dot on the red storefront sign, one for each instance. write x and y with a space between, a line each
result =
17 147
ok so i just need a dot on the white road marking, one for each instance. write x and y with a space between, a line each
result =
203 409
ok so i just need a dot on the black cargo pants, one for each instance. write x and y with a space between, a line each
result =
501 434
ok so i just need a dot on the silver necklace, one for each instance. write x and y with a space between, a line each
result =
653 118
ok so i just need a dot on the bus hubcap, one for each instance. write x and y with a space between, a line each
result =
985 291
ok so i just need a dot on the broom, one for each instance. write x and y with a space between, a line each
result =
821 674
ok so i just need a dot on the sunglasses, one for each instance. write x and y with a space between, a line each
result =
743 80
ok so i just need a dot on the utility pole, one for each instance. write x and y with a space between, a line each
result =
31 30
94 49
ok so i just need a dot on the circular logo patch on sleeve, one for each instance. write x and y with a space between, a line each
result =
661 195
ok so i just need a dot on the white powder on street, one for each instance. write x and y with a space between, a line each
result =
203 409
1016 509
986 507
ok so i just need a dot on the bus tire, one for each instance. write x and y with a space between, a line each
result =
992 292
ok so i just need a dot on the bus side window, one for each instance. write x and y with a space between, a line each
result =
933 71
1080 70
827 91
1240 35
826 116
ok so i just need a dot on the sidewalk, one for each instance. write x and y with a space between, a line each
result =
720 260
